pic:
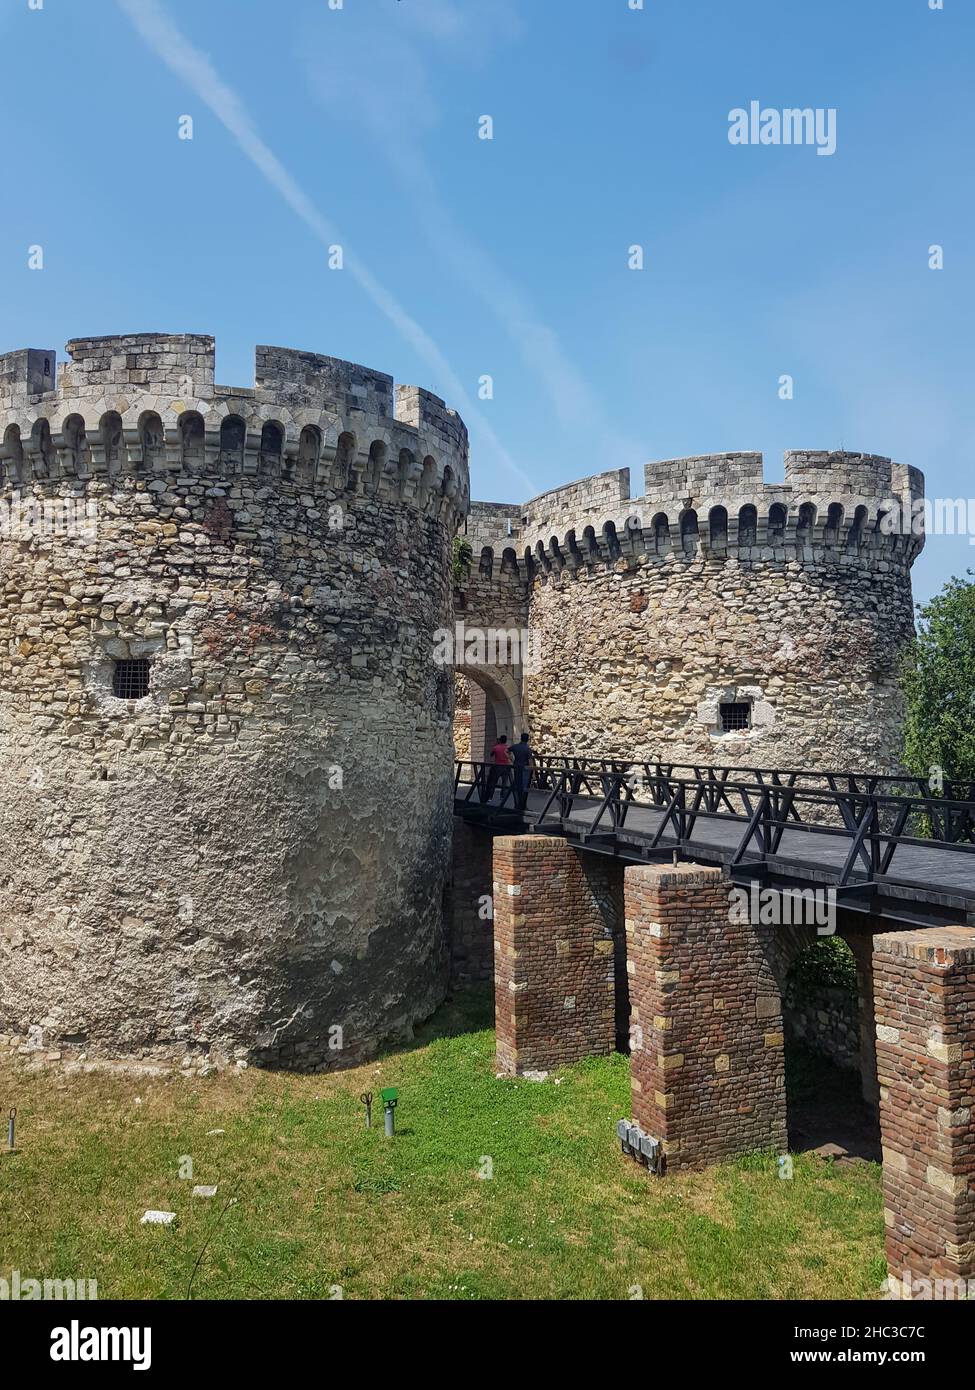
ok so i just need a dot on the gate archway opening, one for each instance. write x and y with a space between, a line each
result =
488 704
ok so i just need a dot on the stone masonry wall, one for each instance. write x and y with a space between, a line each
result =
490 607
715 587
222 869
924 994
554 947
827 1020
637 658
462 718
707 1065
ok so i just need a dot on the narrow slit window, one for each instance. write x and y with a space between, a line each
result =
735 717
130 679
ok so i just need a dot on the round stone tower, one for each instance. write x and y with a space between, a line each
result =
225 812
715 619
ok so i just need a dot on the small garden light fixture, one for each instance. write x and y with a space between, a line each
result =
390 1097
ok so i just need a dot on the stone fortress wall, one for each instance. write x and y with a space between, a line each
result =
713 588
247 862
490 699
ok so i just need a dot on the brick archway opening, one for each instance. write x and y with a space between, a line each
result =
831 1094
830 1067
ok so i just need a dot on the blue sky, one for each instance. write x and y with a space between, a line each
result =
508 257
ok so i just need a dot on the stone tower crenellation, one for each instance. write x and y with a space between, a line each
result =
225 819
715 618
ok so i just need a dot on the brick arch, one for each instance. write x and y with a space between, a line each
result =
782 948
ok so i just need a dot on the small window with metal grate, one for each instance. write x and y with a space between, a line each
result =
130 679
735 717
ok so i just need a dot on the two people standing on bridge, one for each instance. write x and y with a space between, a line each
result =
521 758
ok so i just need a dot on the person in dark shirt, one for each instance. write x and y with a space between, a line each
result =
523 758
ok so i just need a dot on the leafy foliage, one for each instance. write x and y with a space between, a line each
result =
460 563
939 684
829 964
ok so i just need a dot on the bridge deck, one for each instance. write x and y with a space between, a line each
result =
928 884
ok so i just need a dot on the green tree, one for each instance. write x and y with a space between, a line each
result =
939 683
462 556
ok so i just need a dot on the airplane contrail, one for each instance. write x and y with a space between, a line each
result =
172 47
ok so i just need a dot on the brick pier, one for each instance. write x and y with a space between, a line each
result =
924 992
555 919
708 1072
707 1055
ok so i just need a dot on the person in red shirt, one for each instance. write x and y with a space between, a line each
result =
500 759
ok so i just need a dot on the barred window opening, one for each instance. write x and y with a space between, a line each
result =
130 679
735 717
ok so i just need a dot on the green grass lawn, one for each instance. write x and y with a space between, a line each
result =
320 1202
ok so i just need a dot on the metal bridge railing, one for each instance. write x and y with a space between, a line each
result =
826 779
873 815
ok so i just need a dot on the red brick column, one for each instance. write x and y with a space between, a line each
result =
553 945
708 1072
924 993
